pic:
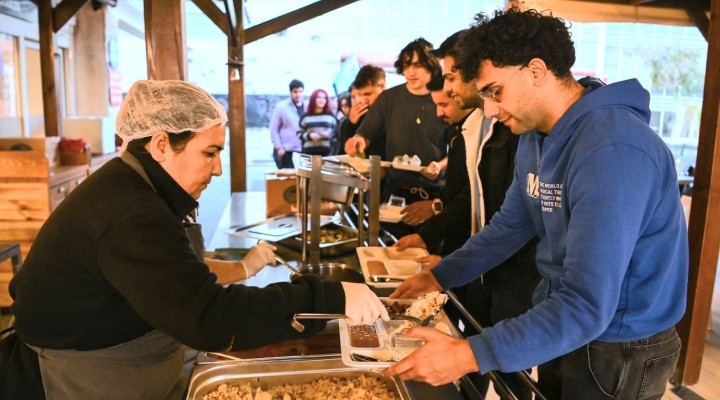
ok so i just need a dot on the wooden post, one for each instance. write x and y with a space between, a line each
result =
165 39
236 102
704 237
51 111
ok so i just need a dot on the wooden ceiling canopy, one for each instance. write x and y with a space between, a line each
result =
704 237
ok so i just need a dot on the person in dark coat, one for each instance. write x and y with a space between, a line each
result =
115 286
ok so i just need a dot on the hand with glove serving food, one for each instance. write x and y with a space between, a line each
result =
362 305
231 271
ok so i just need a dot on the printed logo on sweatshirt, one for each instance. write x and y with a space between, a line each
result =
533 185
550 196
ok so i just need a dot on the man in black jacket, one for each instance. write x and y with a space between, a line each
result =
445 222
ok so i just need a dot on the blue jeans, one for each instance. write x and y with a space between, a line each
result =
639 369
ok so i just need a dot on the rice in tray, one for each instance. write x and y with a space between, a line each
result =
426 305
362 387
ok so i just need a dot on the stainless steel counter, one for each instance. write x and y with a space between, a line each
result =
247 208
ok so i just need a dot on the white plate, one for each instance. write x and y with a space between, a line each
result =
399 264
405 167
390 213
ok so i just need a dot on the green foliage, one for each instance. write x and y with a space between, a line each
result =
676 70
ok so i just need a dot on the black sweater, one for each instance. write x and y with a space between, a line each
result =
113 262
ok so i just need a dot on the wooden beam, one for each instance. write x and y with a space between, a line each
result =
165 39
236 103
704 232
51 111
701 21
292 18
65 10
212 11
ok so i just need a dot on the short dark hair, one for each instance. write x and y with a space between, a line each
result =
423 48
436 83
514 37
296 84
448 48
368 75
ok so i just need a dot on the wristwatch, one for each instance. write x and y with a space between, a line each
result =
437 206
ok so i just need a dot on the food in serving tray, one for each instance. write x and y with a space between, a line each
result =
395 307
407 160
363 336
362 387
333 235
376 268
427 305
421 308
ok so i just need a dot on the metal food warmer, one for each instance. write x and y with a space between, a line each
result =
303 360
336 182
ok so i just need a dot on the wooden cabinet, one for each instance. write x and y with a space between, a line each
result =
29 191
63 180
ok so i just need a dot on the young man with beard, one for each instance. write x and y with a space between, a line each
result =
284 125
614 267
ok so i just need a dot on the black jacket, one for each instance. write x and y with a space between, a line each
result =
445 232
496 174
113 262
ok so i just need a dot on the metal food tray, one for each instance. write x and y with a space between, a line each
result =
338 248
277 371
276 228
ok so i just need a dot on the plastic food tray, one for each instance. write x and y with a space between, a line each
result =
386 330
399 264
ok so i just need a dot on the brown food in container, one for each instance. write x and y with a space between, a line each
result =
363 336
376 268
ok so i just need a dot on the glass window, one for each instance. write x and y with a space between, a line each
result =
8 76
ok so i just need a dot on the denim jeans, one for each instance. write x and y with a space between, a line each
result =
639 369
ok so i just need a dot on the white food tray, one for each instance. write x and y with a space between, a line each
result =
361 165
386 330
408 167
399 264
276 228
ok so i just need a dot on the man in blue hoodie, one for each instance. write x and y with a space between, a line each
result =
599 188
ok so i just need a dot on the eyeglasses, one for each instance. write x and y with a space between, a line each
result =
485 95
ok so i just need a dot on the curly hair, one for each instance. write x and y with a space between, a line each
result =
514 37
449 47
424 50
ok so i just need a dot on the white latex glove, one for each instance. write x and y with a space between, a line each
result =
362 305
259 256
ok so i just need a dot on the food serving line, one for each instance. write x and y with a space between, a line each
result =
326 354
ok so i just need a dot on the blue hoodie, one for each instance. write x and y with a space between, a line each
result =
601 192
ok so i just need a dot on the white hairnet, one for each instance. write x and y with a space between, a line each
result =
170 106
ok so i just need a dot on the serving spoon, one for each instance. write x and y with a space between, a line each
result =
300 327
282 262
363 358
381 279
420 322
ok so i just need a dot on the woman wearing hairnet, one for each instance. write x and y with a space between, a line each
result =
115 282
